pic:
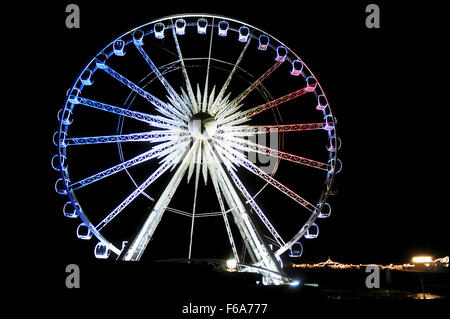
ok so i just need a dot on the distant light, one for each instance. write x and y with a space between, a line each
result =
294 283
422 259
231 264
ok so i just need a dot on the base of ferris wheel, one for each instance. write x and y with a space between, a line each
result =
264 262
265 265
256 274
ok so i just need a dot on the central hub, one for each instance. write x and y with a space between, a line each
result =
202 126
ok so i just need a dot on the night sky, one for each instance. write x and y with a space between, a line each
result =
384 88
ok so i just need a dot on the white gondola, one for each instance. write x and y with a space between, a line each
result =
223 28
69 210
86 77
202 24
296 250
244 33
281 54
66 117
334 144
100 61
56 137
312 232
101 251
180 26
325 211
60 187
60 140
83 232
311 84
158 30
73 96
321 102
138 37
335 166
263 42
59 114
57 163
119 47
297 67
329 123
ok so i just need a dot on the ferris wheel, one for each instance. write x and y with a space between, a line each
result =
193 101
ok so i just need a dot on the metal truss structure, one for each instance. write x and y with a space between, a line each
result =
198 131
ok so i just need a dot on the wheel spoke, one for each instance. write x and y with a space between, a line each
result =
159 105
167 148
138 244
154 152
153 120
259 252
174 95
239 158
246 145
212 163
233 105
196 158
252 202
152 137
181 105
205 91
243 116
248 130
194 105
218 101
196 152
154 176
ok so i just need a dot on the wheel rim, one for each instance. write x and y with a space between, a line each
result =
176 111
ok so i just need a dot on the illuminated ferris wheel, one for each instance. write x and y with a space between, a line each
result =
206 100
